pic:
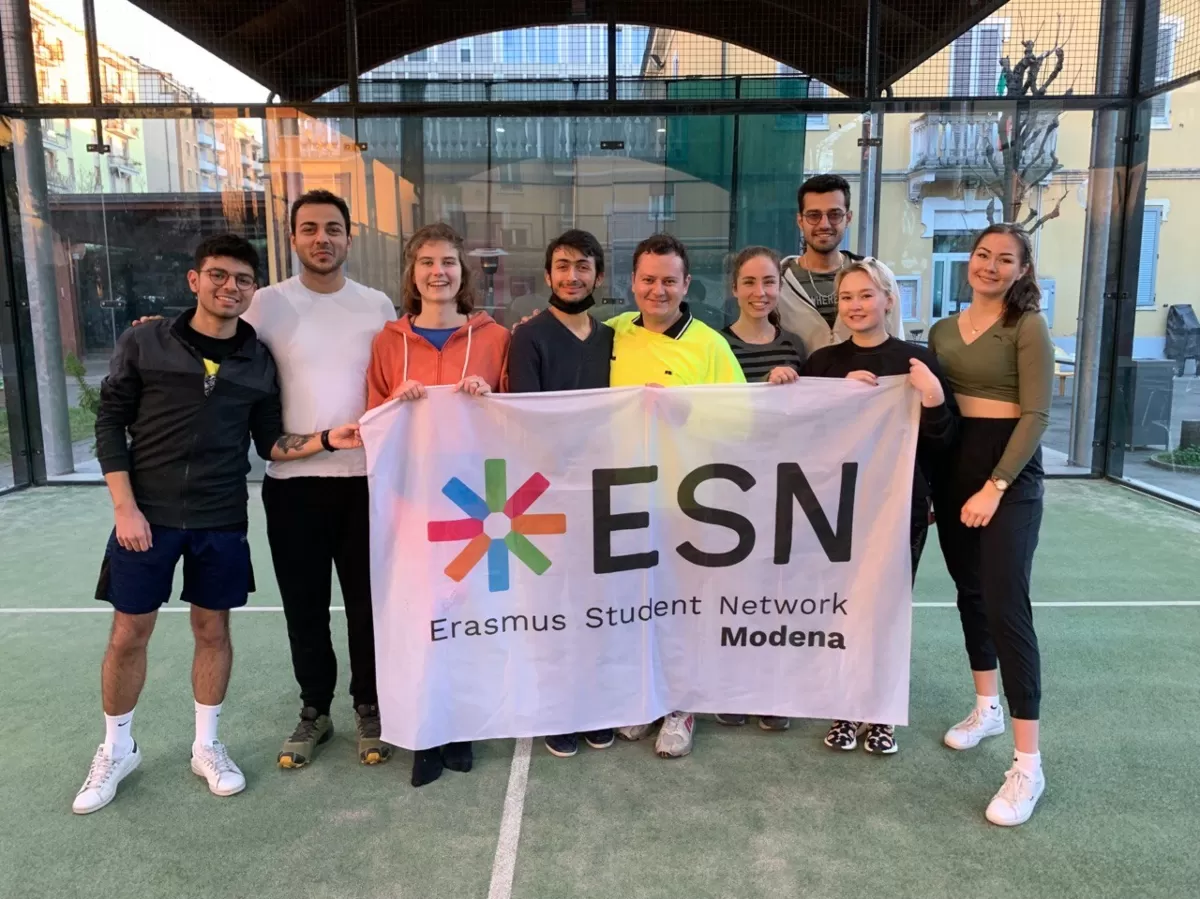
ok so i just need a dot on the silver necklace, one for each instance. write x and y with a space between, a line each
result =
813 284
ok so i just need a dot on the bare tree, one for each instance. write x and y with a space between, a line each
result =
1022 152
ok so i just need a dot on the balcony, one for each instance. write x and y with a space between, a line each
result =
124 164
56 137
550 139
205 138
947 147
58 183
123 127
208 166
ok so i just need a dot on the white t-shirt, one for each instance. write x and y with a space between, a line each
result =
322 346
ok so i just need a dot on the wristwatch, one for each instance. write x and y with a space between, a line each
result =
1000 484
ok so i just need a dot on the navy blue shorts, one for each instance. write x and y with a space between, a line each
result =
217 573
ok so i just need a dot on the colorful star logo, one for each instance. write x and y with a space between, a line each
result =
484 526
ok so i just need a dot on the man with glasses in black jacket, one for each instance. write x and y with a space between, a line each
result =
192 393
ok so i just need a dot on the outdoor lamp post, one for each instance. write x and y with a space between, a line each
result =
489 261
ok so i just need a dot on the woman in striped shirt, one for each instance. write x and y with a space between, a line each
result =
765 351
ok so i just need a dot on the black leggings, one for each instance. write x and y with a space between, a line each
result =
991 565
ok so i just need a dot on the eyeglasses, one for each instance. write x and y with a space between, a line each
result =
219 276
835 216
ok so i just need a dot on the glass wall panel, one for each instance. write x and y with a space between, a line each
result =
115 243
946 176
1159 383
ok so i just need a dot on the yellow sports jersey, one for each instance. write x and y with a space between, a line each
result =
689 352
211 368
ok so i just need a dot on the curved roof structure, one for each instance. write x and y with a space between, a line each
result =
299 48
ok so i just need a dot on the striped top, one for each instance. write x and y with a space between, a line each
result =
757 359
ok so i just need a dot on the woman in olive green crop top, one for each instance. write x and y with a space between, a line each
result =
998 358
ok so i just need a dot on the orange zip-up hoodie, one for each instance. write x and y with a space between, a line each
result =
399 354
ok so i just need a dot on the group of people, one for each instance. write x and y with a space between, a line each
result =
291 367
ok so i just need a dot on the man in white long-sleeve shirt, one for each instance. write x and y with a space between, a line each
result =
319 326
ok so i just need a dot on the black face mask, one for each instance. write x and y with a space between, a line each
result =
572 308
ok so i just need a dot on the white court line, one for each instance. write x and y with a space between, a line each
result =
505 864
1147 604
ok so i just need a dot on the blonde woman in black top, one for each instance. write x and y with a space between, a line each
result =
999 361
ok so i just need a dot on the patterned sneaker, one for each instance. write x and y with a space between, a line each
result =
774 722
562 746
975 728
843 735
635 732
213 763
880 739
675 737
731 720
371 748
104 776
312 731
1016 800
600 739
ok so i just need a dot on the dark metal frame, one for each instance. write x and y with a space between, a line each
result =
1132 103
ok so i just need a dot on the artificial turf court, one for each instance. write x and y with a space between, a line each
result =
749 814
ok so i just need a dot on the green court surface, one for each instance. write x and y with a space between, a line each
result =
749 814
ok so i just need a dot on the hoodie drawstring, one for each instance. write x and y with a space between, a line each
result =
405 378
467 360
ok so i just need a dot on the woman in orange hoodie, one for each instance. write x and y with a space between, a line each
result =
440 340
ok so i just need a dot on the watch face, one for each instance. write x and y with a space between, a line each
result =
1000 483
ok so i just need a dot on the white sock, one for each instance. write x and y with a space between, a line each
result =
207 718
1029 762
989 705
118 739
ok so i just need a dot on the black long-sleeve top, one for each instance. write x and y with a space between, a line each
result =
189 429
938 423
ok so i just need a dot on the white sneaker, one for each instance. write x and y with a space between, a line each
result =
635 732
214 765
974 728
675 737
1015 802
103 777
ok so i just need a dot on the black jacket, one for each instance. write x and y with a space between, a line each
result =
189 454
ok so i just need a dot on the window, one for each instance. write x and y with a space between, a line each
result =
975 62
662 205
516 237
547 41
1049 287
513 51
910 296
1148 262
818 121
597 44
510 177
64 90
1164 68
419 55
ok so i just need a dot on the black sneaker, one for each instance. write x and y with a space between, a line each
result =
600 739
731 720
880 739
843 735
563 745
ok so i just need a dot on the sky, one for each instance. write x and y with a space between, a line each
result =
126 29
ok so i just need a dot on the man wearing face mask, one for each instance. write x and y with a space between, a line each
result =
565 349
807 300
319 325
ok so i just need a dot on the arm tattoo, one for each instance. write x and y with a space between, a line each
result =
289 443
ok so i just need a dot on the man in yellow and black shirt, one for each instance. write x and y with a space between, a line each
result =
662 344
